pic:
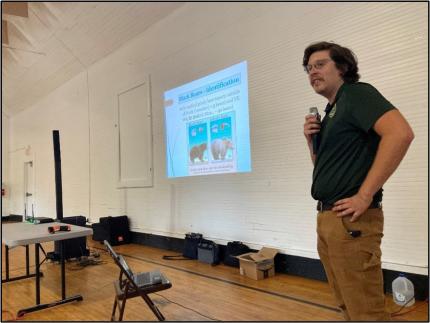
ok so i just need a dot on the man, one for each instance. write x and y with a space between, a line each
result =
360 142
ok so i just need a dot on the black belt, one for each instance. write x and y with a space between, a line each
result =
321 206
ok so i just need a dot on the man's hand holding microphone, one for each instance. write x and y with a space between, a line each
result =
311 127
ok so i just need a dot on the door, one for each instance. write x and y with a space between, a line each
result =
28 190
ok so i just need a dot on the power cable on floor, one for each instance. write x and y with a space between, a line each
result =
87 261
397 313
208 317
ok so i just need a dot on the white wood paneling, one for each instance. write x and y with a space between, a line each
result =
59 40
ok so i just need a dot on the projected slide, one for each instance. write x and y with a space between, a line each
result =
207 125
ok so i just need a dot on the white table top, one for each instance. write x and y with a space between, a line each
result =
23 233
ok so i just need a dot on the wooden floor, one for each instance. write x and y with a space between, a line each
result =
200 292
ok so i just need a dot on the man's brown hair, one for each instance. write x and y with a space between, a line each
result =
343 57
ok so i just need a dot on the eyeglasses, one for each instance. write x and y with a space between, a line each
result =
318 65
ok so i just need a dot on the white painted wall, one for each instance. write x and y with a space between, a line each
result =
66 110
272 205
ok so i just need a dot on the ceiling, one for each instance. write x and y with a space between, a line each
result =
57 40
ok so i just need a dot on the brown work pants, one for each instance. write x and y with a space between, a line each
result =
353 265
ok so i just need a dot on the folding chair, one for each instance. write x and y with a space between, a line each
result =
126 287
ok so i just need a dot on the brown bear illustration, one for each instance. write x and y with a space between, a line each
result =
197 152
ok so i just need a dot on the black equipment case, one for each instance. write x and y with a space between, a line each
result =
190 244
208 252
76 247
233 249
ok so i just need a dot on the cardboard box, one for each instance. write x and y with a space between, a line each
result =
258 265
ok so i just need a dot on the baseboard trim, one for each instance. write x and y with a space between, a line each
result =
288 264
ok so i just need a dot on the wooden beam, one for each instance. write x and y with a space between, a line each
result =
15 8
4 36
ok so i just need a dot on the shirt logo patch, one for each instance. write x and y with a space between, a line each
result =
332 112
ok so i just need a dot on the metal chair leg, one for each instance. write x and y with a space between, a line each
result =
121 309
112 317
153 307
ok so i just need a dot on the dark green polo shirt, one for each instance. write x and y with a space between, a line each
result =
347 142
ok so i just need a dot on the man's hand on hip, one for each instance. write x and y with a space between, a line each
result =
356 205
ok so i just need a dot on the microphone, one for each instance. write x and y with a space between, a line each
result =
314 111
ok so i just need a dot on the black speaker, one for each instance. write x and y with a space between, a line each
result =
115 229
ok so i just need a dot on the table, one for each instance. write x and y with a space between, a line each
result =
24 234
